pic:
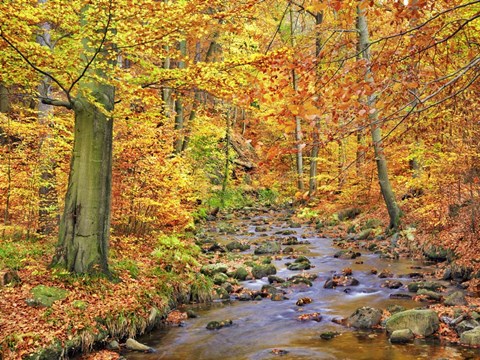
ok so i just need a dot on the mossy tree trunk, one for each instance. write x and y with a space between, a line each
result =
375 127
85 224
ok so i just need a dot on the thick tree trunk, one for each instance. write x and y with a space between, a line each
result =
85 224
382 169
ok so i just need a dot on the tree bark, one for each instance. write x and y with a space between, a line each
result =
85 224
48 206
297 119
375 127
312 186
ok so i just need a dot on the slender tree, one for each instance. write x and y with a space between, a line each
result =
375 125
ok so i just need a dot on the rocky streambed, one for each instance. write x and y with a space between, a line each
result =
282 290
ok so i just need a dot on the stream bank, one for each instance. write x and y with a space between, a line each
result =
294 293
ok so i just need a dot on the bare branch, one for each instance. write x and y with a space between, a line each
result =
54 102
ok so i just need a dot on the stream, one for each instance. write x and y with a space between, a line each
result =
259 327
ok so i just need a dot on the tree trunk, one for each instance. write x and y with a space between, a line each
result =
48 206
5 140
312 188
298 122
382 170
85 224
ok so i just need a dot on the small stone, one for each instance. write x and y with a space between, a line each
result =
365 318
113 345
278 297
402 336
328 335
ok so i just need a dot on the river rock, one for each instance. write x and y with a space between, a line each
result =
113 345
212 269
216 325
420 322
438 253
402 336
385 273
240 274
288 250
275 279
291 240
263 270
428 285
268 247
365 234
47 295
220 278
392 284
466 325
301 263
134 345
328 335
365 318
456 298
278 297
339 280
395 308
237 245
457 273
430 295
471 337
346 254
262 229
401 296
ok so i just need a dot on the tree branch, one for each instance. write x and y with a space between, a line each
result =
54 102
34 67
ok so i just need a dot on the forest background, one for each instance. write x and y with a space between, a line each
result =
368 106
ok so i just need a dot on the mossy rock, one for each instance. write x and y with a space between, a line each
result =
260 271
471 337
365 234
348 214
212 269
456 298
237 245
430 295
402 336
220 278
269 247
365 318
427 285
420 322
47 295
438 254
240 274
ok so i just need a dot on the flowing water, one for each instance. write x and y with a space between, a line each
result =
262 326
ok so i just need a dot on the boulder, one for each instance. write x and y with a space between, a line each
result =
402 336
456 298
457 273
46 295
269 247
365 234
420 322
471 337
365 318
